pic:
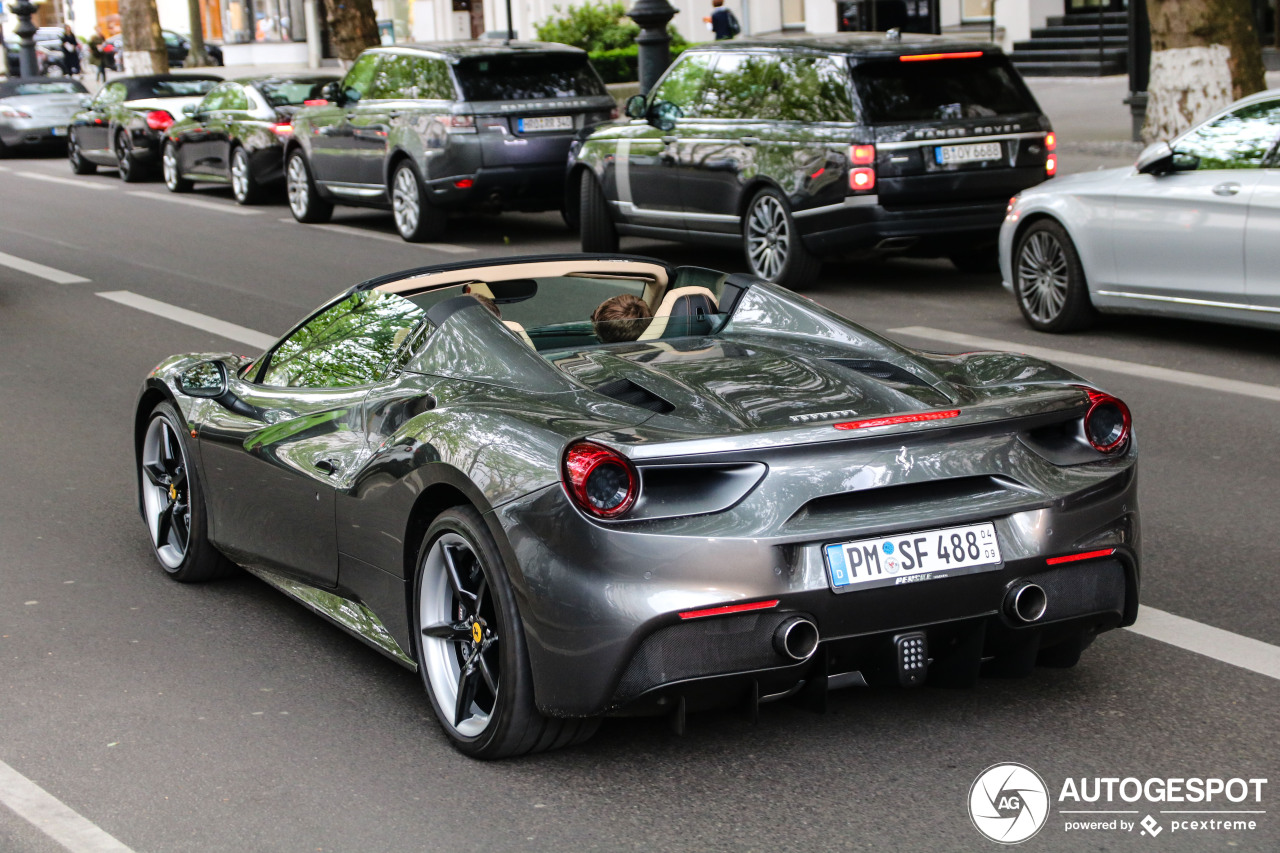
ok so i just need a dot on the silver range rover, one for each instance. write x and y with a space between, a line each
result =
423 129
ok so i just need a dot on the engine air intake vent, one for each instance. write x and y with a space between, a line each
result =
882 370
626 391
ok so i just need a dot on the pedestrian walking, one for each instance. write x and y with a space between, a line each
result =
70 50
722 21
96 57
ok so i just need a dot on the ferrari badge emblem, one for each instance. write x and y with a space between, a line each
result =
477 633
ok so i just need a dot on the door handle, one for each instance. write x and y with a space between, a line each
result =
327 466
1230 188
395 114
750 140
667 140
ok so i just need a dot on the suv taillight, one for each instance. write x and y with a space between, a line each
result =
862 168
1051 156
459 123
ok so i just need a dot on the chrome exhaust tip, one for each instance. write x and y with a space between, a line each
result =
1026 602
797 638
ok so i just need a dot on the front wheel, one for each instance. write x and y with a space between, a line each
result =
417 220
304 204
173 179
471 647
595 225
244 186
1048 280
773 246
173 503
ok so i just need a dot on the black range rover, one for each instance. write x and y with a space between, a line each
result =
800 149
428 128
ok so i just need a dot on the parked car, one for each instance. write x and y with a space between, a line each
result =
123 126
35 111
644 489
176 46
236 134
1192 230
431 128
801 149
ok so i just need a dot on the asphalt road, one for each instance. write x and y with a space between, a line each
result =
226 718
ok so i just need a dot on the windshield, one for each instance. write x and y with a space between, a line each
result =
940 89
528 77
143 88
52 87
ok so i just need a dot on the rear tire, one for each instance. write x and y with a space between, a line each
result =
172 501
773 246
417 220
304 203
131 171
595 225
1049 281
461 591
173 179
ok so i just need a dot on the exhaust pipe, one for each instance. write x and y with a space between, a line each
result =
1025 602
797 638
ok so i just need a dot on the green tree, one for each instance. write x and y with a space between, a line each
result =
596 27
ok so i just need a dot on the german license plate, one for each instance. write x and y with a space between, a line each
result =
912 557
947 155
58 131
525 125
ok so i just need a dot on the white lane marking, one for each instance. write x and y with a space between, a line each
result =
74 182
40 270
447 248
49 815
1235 649
1110 365
204 322
220 207
5 169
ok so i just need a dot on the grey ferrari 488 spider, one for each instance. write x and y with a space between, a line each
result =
574 486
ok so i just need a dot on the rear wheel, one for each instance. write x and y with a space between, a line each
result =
416 219
173 504
773 246
471 648
79 165
305 205
243 185
172 174
595 225
1048 280
130 170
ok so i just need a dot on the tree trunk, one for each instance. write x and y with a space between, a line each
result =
144 51
1204 55
352 25
197 56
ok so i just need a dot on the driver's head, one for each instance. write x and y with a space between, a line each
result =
621 318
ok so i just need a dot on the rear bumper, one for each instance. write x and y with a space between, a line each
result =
531 188
34 132
940 228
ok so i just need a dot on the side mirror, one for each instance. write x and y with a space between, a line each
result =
635 106
189 110
350 96
332 92
663 115
1155 159
206 379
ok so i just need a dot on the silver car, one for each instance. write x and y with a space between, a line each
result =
1192 230
35 111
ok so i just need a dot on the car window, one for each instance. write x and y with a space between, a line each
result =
360 77
1241 139
51 87
528 77
684 83
351 342
112 93
407 76
940 89
738 84
215 100
172 39
235 98
283 93
811 88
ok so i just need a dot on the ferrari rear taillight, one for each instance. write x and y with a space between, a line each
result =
894 420
862 172
159 120
1107 422
601 481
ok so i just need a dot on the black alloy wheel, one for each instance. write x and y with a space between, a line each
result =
304 203
172 173
774 249
595 225
1049 281
417 220
75 156
130 171
471 649
172 502
244 187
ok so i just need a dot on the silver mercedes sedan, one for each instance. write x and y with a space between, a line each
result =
1191 230
35 111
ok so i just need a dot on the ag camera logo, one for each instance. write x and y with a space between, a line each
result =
1008 803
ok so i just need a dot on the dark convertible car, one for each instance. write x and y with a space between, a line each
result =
564 487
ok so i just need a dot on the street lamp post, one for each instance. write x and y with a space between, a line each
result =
27 65
655 44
